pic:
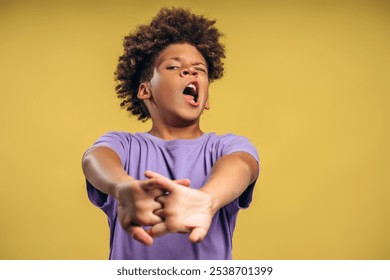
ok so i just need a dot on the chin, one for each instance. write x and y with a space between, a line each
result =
188 119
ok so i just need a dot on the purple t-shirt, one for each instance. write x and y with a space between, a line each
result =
174 159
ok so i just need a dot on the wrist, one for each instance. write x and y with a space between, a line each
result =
215 203
120 185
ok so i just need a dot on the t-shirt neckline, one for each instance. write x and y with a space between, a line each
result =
175 141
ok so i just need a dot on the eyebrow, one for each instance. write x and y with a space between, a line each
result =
177 58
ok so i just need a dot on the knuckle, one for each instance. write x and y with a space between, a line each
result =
126 222
143 219
173 225
139 218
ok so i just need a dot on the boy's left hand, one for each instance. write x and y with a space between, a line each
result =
184 209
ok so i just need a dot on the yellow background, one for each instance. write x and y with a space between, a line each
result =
307 82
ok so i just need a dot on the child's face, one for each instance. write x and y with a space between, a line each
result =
179 86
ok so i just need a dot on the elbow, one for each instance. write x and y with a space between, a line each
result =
250 166
86 161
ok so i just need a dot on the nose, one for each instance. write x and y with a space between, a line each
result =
189 70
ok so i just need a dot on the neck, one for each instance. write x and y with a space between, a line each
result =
172 133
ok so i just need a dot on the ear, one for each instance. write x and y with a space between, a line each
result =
207 106
144 91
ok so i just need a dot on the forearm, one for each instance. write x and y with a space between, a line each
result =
229 178
103 169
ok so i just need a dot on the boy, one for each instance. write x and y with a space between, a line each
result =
173 188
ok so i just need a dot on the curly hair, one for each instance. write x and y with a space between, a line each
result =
141 48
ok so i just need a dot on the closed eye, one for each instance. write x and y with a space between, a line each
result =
201 69
173 67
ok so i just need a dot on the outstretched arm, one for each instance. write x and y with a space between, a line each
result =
191 210
229 178
136 199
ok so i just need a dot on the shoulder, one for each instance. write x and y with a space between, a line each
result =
120 136
226 139
126 140
115 135
230 143
119 141
123 143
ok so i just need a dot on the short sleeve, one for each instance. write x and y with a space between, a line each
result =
231 143
119 143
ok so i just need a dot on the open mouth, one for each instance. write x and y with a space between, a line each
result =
191 92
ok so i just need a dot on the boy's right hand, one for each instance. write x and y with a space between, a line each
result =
136 204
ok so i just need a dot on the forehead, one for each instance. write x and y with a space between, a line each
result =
181 52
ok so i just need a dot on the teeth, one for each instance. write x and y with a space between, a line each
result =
192 86
191 93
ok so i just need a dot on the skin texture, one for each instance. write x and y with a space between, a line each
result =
176 67
164 204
